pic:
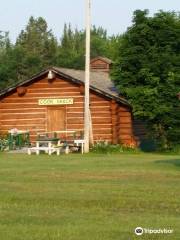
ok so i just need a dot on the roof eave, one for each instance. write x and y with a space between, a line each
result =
13 87
19 84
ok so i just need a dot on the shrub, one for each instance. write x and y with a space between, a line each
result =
104 147
4 145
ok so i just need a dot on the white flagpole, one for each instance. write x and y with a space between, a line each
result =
87 78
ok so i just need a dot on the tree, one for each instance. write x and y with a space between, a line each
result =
71 49
147 72
113 45
6 66
37 48
71 52
99 42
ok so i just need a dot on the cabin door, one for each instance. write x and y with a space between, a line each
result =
56 119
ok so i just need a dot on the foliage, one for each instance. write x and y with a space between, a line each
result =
6 73
147 73
104 147
4 144
36 48
71 50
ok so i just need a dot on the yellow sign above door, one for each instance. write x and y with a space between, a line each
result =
55 101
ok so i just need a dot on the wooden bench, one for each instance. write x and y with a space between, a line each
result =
81 143
48 150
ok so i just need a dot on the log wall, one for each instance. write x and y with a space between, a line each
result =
110 121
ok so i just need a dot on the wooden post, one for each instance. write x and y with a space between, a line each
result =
87 78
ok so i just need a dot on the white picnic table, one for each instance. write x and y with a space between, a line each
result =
47 145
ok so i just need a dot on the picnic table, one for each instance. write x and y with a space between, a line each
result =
46 145
55 144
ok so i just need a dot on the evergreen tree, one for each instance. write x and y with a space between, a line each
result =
71 52
71 49
36 47
6 62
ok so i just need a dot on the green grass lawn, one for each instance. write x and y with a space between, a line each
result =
89 197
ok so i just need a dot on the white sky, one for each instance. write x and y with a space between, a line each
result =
113 15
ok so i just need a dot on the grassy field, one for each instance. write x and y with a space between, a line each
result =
90 197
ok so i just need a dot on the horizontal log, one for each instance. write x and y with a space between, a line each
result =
53 89
125 131
47 95
95 94
125 114
25 110
97 98
27 99
31 131
103 135
124 120
101 120
100 115
35 99
100 109
8 108
22 126
57 79
21 116
53 85
102 125
75 115
20 100
96 104
75 126
23 121
20 105
123 109
75 120
31 104
74 110
102 131
124 126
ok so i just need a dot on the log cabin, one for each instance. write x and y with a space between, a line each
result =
53 100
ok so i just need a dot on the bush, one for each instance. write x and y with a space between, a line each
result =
104 147
3 144
174 149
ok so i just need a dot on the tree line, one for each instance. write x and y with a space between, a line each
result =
37 48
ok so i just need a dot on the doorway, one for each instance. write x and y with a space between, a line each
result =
56 119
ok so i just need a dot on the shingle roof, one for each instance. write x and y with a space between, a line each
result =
99 82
